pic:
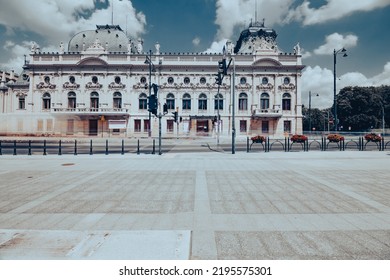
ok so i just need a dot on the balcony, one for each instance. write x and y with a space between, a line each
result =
91 111
267 113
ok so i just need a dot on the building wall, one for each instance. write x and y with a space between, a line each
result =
50 76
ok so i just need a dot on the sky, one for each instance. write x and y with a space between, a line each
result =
320 26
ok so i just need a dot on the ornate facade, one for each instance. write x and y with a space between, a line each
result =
99 87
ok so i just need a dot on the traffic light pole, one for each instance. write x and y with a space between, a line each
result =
233 108
159 133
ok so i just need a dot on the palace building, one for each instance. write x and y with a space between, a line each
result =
100 85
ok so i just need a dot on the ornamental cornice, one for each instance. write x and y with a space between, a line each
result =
91 85
43 85
68 85
139 85
287 87
116 86
243 86
265 87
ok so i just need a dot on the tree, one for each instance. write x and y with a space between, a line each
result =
360 108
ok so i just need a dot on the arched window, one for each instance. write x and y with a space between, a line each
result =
243 101
264 101
170 101
202 103
143 101
264 80
186 102
46 99
286 102
72 100
218 102
94 100
117 100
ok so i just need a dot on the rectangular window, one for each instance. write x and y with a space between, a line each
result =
40 125
143 104
287 126
137 125
264 126
22 103
220 104
171 104
186 104
170 125
70 127
264 103
117 102
202 104
243 104
242 125
49 125
286 104
146 126
46 104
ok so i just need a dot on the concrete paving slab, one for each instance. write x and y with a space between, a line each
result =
99 245
316 205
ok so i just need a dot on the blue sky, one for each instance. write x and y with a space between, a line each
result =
204 25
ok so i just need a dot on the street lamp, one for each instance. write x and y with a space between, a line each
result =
148 60
316 94
343 51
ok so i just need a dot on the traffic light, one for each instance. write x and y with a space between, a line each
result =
165 108
155 89
175 116
222 67
218 79
152 104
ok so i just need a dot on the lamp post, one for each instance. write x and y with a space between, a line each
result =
335 53
148 60
310 109
383 119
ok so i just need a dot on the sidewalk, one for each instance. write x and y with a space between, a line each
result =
196 206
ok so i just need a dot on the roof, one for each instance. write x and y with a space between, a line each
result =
255 31
111 37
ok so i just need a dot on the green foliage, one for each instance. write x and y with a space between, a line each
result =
361 107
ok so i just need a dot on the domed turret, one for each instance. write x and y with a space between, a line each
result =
110 37
257 38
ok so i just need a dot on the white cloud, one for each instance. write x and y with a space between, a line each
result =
320 80
332 10
216 47
196 41
231 14
59 19
336 41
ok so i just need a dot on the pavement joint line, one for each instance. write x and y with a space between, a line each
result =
42 199
203 236
342 188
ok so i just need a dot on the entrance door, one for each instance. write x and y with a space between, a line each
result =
93 127
202 126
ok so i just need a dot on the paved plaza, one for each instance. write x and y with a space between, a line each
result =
215 205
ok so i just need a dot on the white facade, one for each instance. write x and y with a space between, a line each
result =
101 89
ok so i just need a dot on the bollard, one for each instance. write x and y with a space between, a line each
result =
29 147
75 147
14 147
247 144
44 148
90 148
138 148
59 148
154 147
123 147
106 146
